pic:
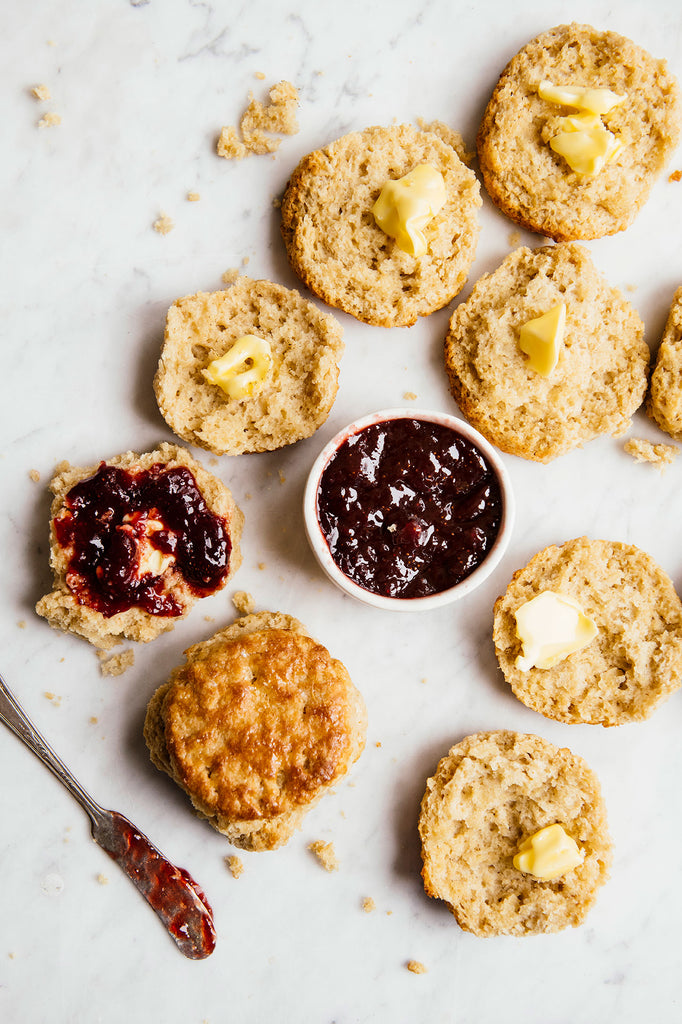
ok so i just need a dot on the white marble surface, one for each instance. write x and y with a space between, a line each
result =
143 89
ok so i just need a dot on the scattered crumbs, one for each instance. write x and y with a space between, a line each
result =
34 475
230 276
260 75
93 719
41 92
21 623
449 136
378 743
116 664
243 602
102 879
49 120
259 122
235 866
163 224
325 854
675 176
660 455
57 701
209 618
514 239
416 966
261 565
245 261
193 197
409 396
368 905
282 478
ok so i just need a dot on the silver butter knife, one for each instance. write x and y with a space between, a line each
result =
170 891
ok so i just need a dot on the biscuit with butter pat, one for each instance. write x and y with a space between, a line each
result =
628 667
248 369
578 187
492 794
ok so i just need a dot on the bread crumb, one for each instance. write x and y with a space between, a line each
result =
235 866
514 239
262 565
163 224
325 854
230 276
675 176
57 701
259 74
245 261
34 475
41 92
102 879
368 905
409 396
93 719
378 743
50 120
630 287
449 136
277 202
661 455
51 42
21 623
193 197
116 664
244 602
259 122
209 618
417 967
282 478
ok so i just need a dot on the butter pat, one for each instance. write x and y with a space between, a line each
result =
243 368
541 339
407 205
586 151
550 627
595 101
548 854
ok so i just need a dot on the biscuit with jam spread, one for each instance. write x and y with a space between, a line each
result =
134 542
294 390
492 791
634 662
336 246
664 401
535 186
257 725
600 377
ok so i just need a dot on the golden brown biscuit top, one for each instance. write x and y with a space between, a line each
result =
255 726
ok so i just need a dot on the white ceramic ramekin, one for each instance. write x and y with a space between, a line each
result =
319 544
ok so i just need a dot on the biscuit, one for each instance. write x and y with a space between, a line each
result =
339 252
489 793
256 726
601 375
533 185
125 565
664 401
635 661
292 401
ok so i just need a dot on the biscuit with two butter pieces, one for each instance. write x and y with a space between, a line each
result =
535 186
338 250
294 396
664 401
137 574
599 380
490 793
257 725
634 662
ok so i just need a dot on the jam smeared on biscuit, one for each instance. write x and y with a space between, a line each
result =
123 529
408 507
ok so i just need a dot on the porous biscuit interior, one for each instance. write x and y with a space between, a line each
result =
535 186
256 726
490 792
664 401
635 661
338 250
600 378
61 608
294 399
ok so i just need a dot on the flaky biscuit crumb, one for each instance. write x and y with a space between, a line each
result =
230 145
34 475
93 720
259 74
244 602
193 197
21 623
116 664
675 176
230 276
56 700
260 122
235 866
368 905
409 396
661 455
325 853
417 967
514 239
102 879
49 120
163 224
41 92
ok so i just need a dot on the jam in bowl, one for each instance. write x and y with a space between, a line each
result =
407 509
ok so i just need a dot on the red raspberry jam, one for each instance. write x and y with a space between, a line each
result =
408 507
107 516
